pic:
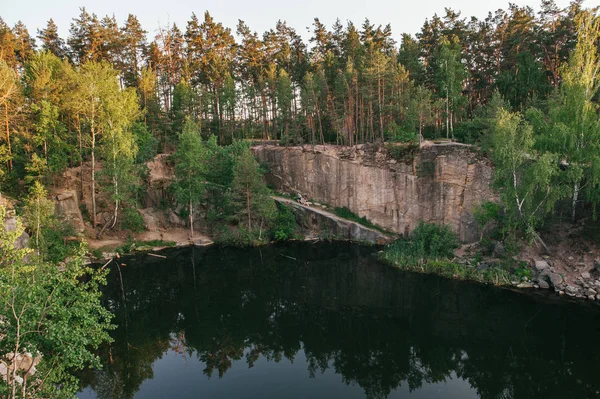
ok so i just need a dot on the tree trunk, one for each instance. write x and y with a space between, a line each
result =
576 190
80 159
93 174
8 137
447 116
191 219
248 206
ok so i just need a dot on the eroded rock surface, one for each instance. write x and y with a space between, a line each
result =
436 184
67 208
315 221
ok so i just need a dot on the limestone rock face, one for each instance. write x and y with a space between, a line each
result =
313 220
10 224
66 207
160 176
436 184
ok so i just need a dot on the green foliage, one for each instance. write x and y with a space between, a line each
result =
38 211
427 242
54 314
190 169
525 179
487 212
523 272
285 224
396 133
146 143
402 153
346 213
249 196
55 243
132 220
430 249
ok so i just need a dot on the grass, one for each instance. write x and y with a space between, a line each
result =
450 269
348 214
430 249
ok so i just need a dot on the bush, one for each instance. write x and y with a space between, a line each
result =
146 142
400 134
54 246
132 220
427 242
402 153
285 224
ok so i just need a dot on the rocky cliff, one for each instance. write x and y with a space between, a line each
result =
394 187
313 221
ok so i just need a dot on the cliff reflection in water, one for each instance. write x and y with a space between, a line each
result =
377 327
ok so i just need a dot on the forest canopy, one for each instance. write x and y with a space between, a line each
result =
110 93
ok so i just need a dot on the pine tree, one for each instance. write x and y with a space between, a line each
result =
51 41
24 43
134 44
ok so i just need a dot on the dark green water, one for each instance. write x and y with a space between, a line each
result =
334 323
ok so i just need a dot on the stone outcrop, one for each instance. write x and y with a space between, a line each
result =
66 207
10 224
315 221
435 184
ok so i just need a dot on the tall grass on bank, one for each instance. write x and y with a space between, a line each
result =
426 243
430 249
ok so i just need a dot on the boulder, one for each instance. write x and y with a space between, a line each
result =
585 276
525 285
175 220
10 224
541 265
556 280
571 290
543 284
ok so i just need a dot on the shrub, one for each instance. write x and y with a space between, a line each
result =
285 224
427 242
132 220
54 246
400 134
402 153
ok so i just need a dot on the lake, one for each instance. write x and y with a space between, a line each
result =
327 320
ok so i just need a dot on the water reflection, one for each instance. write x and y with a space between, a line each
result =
336 312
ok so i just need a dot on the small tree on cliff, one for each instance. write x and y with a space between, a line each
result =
190 169
38 211
249 195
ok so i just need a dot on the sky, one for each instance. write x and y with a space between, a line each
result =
260 15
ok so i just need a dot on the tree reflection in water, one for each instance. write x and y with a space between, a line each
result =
374 325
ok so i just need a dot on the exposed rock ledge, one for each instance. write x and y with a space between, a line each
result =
436 184
313 220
